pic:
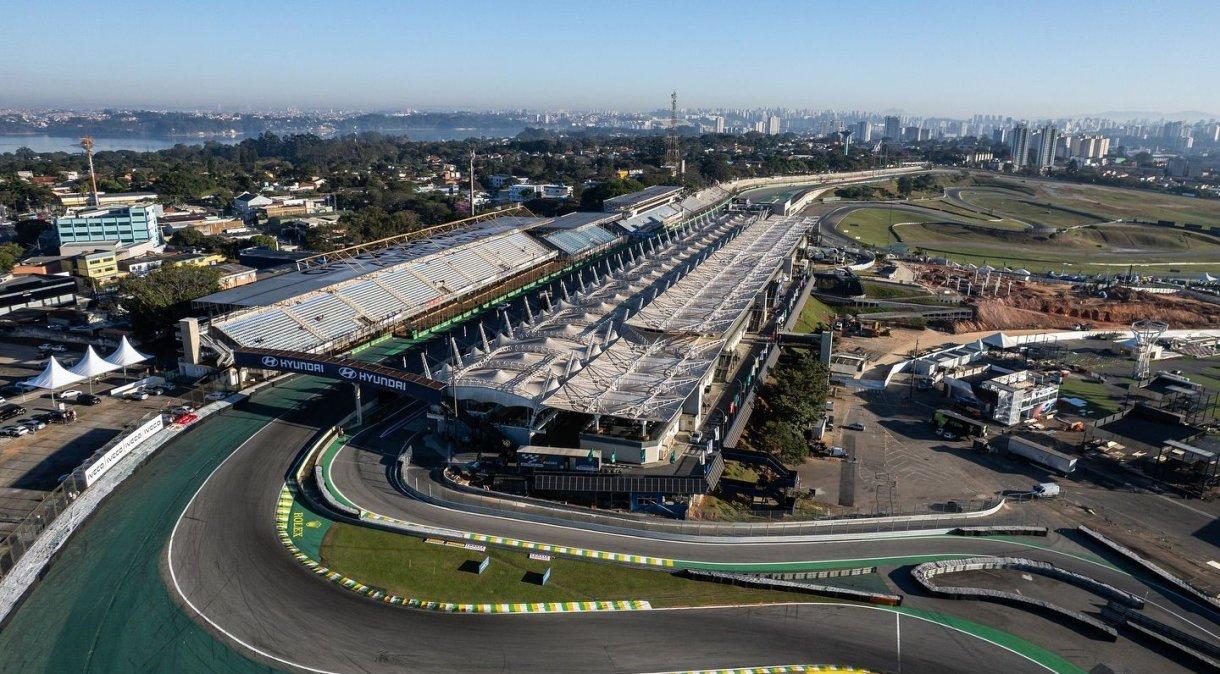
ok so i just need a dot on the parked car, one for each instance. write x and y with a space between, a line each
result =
837 452
9 410
138 394
857 426
154 390
14 431
59 348
70 394
216 395
87 399
33 424
47 346
182 409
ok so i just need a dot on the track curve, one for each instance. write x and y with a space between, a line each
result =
226 562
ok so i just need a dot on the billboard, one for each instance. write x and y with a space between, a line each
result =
342 369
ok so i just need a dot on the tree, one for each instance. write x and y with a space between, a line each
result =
164 296
10 253
592 198
784 441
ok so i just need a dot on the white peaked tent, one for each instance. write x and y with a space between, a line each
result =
54 376
92 365
125 355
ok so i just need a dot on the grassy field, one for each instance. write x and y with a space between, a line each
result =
1019 206
735 470
408 566
889 291
1103 399
871 226
1117 203
814 315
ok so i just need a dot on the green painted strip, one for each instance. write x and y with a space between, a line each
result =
1038 654
813 565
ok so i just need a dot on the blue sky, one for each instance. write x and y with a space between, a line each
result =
937 57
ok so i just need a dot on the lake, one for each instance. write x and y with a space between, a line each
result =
148 144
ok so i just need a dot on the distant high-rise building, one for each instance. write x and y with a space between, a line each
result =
1019 144
893 128
864 131
773 125
720 125
1047 136
999 134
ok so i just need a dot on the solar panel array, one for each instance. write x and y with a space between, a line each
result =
317 319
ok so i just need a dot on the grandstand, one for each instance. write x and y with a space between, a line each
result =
714 298
319 307
581 234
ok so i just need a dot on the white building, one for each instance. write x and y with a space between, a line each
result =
1020 395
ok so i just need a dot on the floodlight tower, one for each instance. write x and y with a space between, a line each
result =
846 134
87 143
1145 333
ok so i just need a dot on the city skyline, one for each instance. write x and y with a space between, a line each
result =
947 59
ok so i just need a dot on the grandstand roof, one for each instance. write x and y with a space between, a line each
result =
532 364
269 291
713 298
384 287
581 239
580 219
629 201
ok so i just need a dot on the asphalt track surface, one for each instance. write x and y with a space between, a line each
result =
226 561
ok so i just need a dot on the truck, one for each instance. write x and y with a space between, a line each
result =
1044 490
963 427
1041 455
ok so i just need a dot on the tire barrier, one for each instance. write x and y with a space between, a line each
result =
816 575
924 573
764 583
1165 636
1000 531
1191 591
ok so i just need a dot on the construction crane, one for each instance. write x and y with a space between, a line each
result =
673 156
87 144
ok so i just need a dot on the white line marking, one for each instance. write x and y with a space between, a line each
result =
174 576
898 638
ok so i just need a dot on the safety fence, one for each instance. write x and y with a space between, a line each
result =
815 575
26 533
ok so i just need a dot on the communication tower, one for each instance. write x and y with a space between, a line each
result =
673 156
1145 333
87 143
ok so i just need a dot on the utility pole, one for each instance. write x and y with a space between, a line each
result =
472 182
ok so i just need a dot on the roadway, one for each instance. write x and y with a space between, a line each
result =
226 563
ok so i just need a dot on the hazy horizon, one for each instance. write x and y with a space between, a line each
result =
949 58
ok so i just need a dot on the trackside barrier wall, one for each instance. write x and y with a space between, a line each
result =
1163 635
866 528
1190 590
924 573
18 582
1001 531
762 583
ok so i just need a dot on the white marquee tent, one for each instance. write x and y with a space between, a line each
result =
92 365
53 377
126 355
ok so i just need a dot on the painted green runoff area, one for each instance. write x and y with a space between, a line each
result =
103 605
328 456
1038 654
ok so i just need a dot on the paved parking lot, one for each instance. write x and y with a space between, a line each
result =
33 464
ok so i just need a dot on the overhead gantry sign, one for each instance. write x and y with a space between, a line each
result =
342 369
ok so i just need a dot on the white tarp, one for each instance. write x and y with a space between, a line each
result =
54 376
92 365
125 355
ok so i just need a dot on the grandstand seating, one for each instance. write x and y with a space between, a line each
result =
579 240
436 272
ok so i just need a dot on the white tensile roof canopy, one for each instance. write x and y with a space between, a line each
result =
125 355
54 376
92 365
